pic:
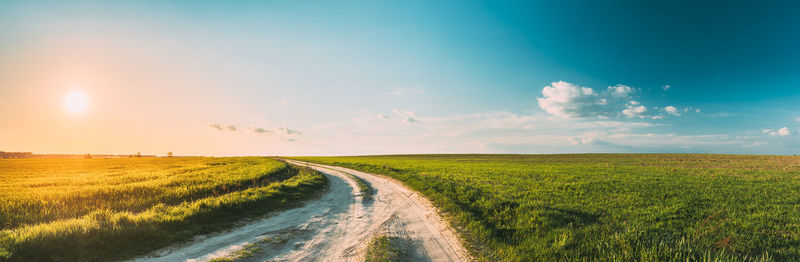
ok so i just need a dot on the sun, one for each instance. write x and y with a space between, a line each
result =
76 102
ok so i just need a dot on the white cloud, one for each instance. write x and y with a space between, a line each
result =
621 90
721 115
784 131
280 133
401 91
506 132
754 144
581 140
666 87
657 117
494 131
404 116
672 110
404 113
687 109
635 110
567 100
655 140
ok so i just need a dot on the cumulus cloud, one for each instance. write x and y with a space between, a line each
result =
223 127
672 110
784 131
567 100
634 109
382 115
666 87
620 90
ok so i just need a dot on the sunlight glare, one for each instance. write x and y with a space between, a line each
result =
76 102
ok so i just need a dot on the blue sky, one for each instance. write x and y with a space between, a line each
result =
375 77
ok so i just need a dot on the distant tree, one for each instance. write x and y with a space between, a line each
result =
88 156
169 154
138 154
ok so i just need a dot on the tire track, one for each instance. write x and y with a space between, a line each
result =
336 227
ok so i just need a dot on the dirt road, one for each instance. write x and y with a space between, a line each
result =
336 227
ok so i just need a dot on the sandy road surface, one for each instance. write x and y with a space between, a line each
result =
336 227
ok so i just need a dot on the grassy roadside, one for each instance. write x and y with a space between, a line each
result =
253 249
385 248
105 235
365 190
620 207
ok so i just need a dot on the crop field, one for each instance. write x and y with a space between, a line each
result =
608 207
109 209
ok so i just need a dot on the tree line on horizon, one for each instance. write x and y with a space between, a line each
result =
30 155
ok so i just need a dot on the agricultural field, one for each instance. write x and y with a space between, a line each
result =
608 207
111 209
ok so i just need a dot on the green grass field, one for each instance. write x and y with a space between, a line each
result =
109 209
609 207
385 249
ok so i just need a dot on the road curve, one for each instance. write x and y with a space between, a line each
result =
336 227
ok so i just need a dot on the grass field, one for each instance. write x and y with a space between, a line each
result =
108 209
385 249
609 207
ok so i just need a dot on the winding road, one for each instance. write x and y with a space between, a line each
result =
336 227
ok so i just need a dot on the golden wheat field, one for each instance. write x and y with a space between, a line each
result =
91 209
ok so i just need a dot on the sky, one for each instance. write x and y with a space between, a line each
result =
229 78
